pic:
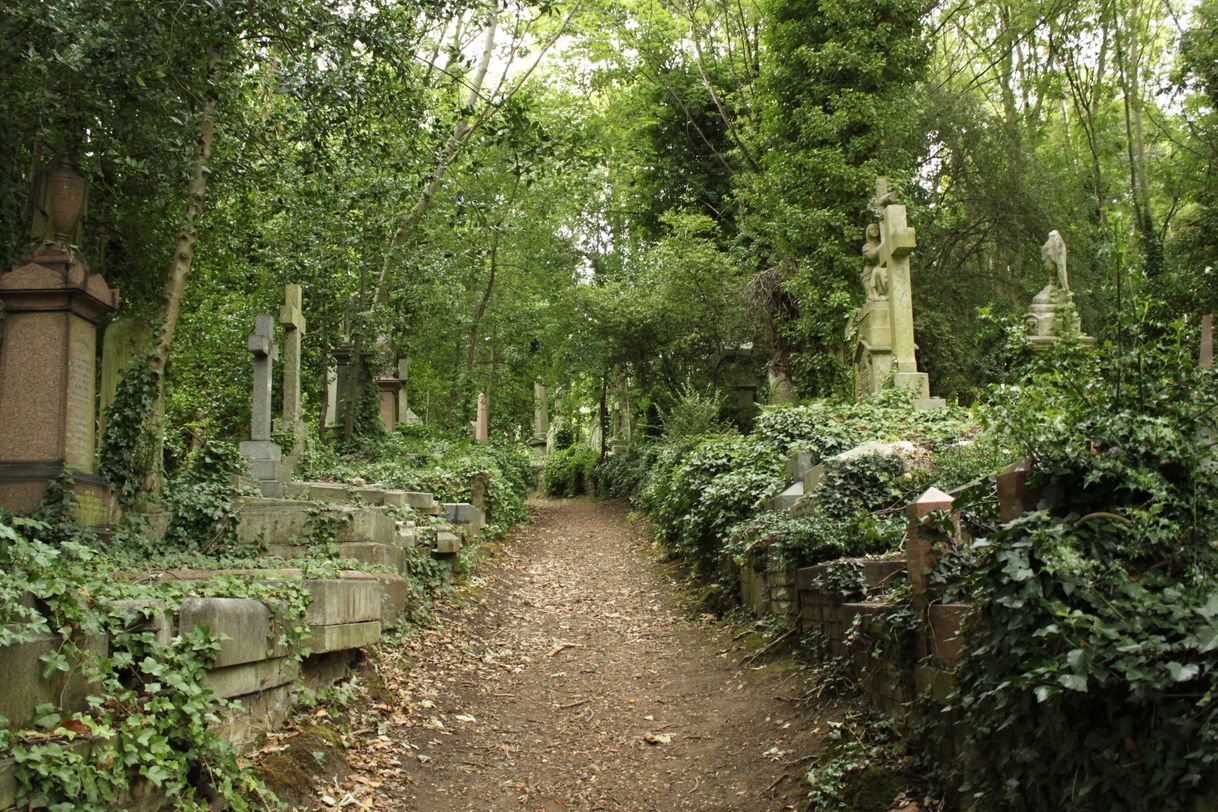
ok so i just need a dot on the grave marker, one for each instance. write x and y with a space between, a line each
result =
293 321
263 453
886 351
48 357
482 426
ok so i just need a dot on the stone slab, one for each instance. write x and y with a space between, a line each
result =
418 500
24 687
463 513
246 725
246 623
447 543
296 490
345 636
249 678
798 465
786 499
373 496
343 601
146 616
394 599
371 552
261 450
368 524
330 492
395 498
876 572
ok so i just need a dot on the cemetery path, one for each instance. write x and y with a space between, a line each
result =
569 676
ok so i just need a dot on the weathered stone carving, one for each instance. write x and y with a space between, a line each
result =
1053 315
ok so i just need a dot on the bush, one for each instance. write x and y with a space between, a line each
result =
1088 679
569 471
621 473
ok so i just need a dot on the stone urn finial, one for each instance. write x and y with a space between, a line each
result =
65 196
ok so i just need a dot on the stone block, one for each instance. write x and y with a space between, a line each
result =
269 470
876 572
937 682
271 488
368 524
373 496
255 450
394 498
447 543
320 670
344 601
244 622
24 687
330 492
812 478
418 500
252 677
272 521
463 513
247 723
146 616
798 465
786 499
296 490
345 636
394 599
371 552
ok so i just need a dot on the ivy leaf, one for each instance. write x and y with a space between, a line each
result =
1075 682
1183 673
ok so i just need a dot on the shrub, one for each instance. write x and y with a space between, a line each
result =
1088 679
569 471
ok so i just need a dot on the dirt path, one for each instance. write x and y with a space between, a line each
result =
567 677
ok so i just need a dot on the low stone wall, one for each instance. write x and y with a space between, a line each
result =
345 614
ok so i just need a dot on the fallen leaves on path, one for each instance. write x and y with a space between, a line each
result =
566 676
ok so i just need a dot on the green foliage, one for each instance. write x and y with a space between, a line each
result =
621 473
858 770
1087 680
202 499
127 455
569 472
694 412
697 490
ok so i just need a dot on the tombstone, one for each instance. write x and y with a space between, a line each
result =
403 408
1053 315
885 353
541 419
391 390
1206 355
482 425
293 321
123 339
263 453
331 397
48 357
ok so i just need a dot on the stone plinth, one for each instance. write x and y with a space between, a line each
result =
390 390
48 383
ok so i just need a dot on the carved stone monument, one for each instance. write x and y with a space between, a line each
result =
291 316
263 453
405 415
541 419
1053 315
885 354
482 425
48 358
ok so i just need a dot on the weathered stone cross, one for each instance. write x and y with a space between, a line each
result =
293 321
261 343
897 241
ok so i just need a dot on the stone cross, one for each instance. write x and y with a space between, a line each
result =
482 426
897 241
293 321
262 344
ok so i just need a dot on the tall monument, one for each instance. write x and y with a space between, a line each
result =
886 354
48 386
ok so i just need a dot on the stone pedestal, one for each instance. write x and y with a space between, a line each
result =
264 456
390 389
48 384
